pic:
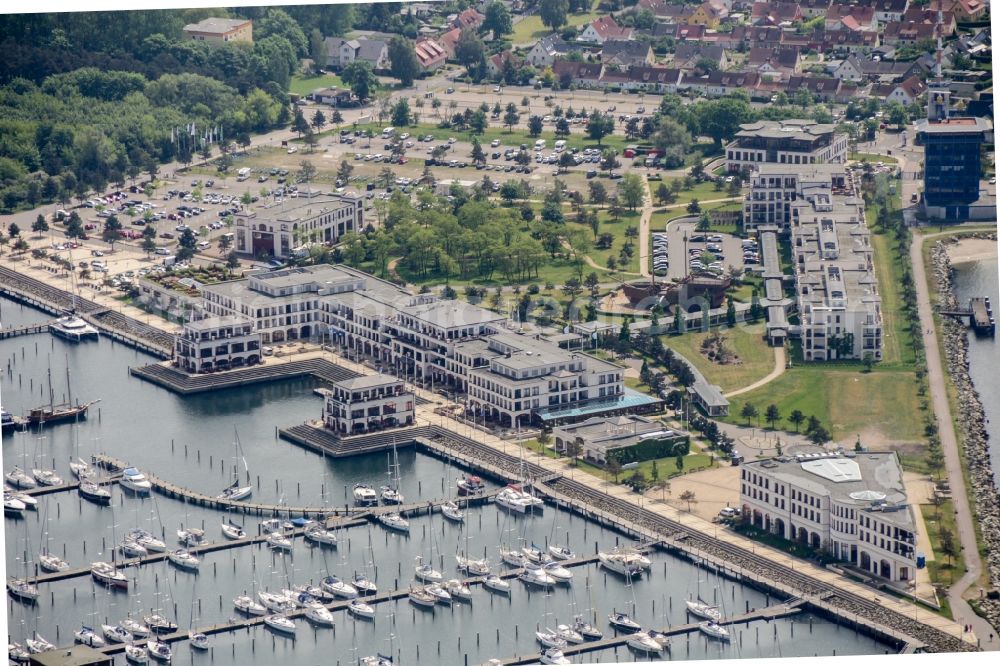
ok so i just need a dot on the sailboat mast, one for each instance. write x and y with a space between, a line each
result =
69 388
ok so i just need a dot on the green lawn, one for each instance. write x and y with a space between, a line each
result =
897 347
617 229
303 85
943 570
846 401
756 358
872 157
666 467
531 29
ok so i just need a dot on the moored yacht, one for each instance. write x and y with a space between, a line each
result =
37 644
569 634
136 654
714 630
73 328
22 590
554 656
647 643
550 639
159 624
470 485
586 629
106 574
365 495
191 536
159 650
316 533
620 563
622 622
532 574
426 572
147 540
339 588
319 615
236 492
458 589
359 608
47 477
471 566
134 480
496 583
80 468
561 552
52 563
131 548
233 531
245 604
364 585
183 559
703 610
11 505
391 495
394 521
451 511
87 636
20 479
94 492
115 633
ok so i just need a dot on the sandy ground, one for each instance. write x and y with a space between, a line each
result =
972 249
714 488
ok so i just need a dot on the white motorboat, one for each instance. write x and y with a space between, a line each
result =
316 533
365 495
643 641
245 604
391 495
536 555
303 599
235 492
426 572
421 597
20 479
95 492
276 603
569 634
37 644
314 591
622 622
451 511
533 574
183 559
159 650
586 629
137 629
470 485
12 506
199 641
280 623
73 328
116 634
514 558
496 583
714 630
319 615
458 590
473 567
359 608
130 548
87 636
620 563
364 585
278 541
513 500
22 590
376 660
339 588
147 540
159 624
191 536
27 500
80 468
558 571
134 480
704 611
47 477
233 531
441 595
394 521
273 525
136 654
639 558
554 656
550 639
106 574
17 654
561 552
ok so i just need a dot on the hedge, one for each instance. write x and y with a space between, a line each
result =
652 449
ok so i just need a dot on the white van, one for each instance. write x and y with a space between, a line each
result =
560 145
540 144
243 174
388 132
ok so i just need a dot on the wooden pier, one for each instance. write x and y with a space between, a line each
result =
31 329
979 315
183 383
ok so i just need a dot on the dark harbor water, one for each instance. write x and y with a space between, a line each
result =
972 279
189 441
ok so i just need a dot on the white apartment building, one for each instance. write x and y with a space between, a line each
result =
775 187
785 142
852 506
368 403
277 229
216 343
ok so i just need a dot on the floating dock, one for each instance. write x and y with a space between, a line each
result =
31 329
979 315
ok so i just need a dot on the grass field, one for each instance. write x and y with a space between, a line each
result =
757 359
531 29
872 157
943 570
303 85
617 229
897 349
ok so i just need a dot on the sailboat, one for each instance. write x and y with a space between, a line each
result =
58 413
23 589
390 494
232 530
235 491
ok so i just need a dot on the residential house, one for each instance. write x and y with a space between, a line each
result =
846 41
547 49
654 79
812 8
332 96
850 17
886 10
602 29
687 55
708 14
664 10
825 89
717 84
966 10
581 74
750 36
775 13
342 52
930 15
470 18
449 40
856 68
495 63
690 32
625 54
906 92
774 63
220 30
908 32
430 54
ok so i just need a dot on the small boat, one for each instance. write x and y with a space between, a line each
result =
17 654
496 583
470 485
245 604
231 530
620 563
191 536
441 595
394 521
58 413
319 615
643 641
130 548
639 558
514 558
137 629
554 656
136 654
473 567
339 588
159 650
561 552
427 573
278 541
199 641
94 492
558 571
20 479
533 574
458 590
53 563
47 477
359 608
513 498
235 492
376 660
622 622
273 525
183 559
27 500
37 644
704 611
421 597
116 634
316 533
106 574
80 468
714 630
158 624
22 590
86 636
363 585
451 511
134 480
147 540
303 599
587 630
12 506
536 555
391 495
365 495
569 634
73 328
550 639
277 603
280 623
313 591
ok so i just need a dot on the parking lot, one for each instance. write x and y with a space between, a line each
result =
681 251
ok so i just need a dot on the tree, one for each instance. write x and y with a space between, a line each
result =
748 412
74 226
819 436
186 245
14 231
574 450
318 121
40 225
344 171
946 541
598 193
511 117
720 119
613 466
401 113
566 161
534 126
317 50
469 49
599 126
359 76
688 496
232 261
307 171
730 312
299 123
478 155
868 361
498 20
631 190
112 231
225 244
553 13
148 240
772 414
20 245
694 207
403 60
